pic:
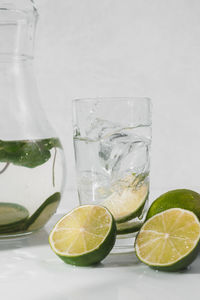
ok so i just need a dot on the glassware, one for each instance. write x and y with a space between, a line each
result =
112 138
31 155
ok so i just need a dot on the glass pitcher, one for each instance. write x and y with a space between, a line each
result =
31 155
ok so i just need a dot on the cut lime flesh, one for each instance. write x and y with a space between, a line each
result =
44 213
127 204
12 217
129 227
169 241
84 236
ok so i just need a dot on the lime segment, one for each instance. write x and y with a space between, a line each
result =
127 204
169 241
12 217
129 227
84 236
44 213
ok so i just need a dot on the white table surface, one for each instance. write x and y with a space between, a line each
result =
30 270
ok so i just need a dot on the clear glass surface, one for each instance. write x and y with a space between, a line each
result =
31 155
112 138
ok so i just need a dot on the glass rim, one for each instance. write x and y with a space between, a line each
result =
111 99
18 6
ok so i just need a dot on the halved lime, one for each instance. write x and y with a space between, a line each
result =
128 203
44 213
129 227
169 241
84 236
12 217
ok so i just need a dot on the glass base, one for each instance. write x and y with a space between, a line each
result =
15 235
124 244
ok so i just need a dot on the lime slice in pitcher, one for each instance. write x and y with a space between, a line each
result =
44 213
12 217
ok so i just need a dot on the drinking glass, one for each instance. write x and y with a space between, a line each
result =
112 138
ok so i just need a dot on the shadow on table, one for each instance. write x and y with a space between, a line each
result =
119 260
195 267
130 260
103 289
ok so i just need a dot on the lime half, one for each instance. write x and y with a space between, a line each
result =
128 203
84 236
169 241
44 213
12 217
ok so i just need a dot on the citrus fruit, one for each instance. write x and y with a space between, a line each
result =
169 241
128 203
128 227
43 213
84 236
181 198
12 217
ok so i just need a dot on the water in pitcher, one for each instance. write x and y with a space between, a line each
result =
31 174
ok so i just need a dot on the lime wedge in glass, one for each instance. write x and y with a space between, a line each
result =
128 203
44 213
12 217
169 241
129 227
84 236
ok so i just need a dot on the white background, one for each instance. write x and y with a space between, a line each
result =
89 48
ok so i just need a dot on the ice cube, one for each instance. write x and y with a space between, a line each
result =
112 150
93 186
124 152
137 158
101 128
